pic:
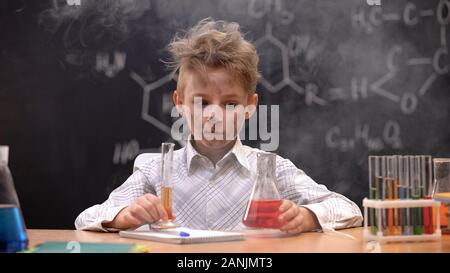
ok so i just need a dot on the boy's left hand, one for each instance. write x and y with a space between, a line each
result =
299 219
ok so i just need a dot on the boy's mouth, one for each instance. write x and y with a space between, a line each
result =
214 131
214 135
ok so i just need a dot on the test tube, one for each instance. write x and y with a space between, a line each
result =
427 177
166 177
381 176
373 185
166 187
417 189
374 191
404 193
393 226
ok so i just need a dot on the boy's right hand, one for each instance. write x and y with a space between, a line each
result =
146 209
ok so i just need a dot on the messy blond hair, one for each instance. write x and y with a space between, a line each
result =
215 44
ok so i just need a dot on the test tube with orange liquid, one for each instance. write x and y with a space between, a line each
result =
404 193
166 187
392 193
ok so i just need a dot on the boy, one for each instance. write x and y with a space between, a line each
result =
214 173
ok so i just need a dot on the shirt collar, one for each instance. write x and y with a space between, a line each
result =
238 151
191 153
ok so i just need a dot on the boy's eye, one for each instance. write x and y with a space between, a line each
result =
203 103
231 103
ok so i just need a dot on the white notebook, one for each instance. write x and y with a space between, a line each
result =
181 235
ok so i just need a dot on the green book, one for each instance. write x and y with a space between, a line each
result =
79 247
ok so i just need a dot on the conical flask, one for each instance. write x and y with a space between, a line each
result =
13 236
263 207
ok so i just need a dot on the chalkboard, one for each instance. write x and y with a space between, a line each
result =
83 89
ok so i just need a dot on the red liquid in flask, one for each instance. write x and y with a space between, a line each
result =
263 214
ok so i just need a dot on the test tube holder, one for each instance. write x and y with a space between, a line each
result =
388 204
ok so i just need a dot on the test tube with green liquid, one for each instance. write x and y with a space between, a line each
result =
417 192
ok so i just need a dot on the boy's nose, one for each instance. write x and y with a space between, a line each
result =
211 115
214 113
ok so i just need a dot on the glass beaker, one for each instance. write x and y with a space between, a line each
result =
13 236
166 187
441 190
263 208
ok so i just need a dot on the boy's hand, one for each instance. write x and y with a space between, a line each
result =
146 209
299 219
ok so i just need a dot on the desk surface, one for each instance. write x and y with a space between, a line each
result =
306 242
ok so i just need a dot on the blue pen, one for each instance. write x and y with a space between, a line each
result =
179 233
175 232
184 234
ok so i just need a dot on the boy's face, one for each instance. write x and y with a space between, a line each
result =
213 104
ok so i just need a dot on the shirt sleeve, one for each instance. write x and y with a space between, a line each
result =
94 217
332 209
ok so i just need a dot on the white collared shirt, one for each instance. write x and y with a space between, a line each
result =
215 197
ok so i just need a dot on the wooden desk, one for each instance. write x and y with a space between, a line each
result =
306 242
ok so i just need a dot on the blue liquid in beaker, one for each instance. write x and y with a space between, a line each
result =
13 236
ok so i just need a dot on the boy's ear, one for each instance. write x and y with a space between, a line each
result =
178 101
252 103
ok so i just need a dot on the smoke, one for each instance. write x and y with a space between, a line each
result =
93 23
